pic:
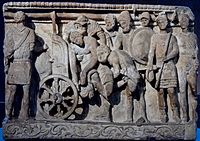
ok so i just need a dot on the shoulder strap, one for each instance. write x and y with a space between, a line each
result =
168 41
22 40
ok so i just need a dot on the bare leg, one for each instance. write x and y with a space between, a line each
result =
129 110
162 107
174 104
10 95
24 112
183 96
143 116
192 93
104 114
142 101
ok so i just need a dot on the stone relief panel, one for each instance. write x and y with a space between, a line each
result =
117 64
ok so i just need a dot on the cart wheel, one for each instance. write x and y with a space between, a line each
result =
58 97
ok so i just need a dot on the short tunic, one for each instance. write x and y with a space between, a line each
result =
20 69
158 49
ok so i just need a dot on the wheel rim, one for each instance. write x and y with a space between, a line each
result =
58 97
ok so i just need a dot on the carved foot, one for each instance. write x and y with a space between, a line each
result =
102 118
128 121
177 119
176 116
184 120
87 91
142 120
163 118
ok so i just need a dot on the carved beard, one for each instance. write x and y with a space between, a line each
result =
82 31
184 25
110 28
126 30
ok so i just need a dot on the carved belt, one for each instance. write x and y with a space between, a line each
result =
21 60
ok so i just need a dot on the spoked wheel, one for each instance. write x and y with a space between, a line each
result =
58 97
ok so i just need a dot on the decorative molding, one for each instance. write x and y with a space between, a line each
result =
93 130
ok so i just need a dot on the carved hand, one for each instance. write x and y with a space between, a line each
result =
165 59
124 71
116 73
6 69
149 75
82 78
79 57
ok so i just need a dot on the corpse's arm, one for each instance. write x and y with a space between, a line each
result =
102 37
113 60
92 43
73 66
118 42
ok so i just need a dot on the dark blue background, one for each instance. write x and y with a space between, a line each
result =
193 4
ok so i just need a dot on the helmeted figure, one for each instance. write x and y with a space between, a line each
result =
139 50
123 40
164 48
111 30
141 41
187 66
19 45
91 28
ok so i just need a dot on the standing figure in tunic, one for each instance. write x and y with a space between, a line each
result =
187 66
19 44
164 49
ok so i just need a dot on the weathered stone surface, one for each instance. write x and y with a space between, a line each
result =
111 72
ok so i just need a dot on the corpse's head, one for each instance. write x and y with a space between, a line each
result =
76 38
103 52
81 24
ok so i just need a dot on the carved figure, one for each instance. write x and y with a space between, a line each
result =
164 48
187 66
139 51
141 41
111 30
90 27
123 40
19 45
84 47
124 69
85 52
